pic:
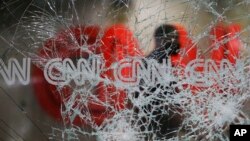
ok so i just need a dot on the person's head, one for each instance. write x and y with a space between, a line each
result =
166 42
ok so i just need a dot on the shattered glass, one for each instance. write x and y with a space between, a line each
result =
187 99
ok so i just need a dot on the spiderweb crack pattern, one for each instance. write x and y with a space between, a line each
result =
168 109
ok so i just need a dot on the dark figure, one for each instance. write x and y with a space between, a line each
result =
162 119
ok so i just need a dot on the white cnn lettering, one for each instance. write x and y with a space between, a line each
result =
14 70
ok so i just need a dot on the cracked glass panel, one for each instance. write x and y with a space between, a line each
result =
123 70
